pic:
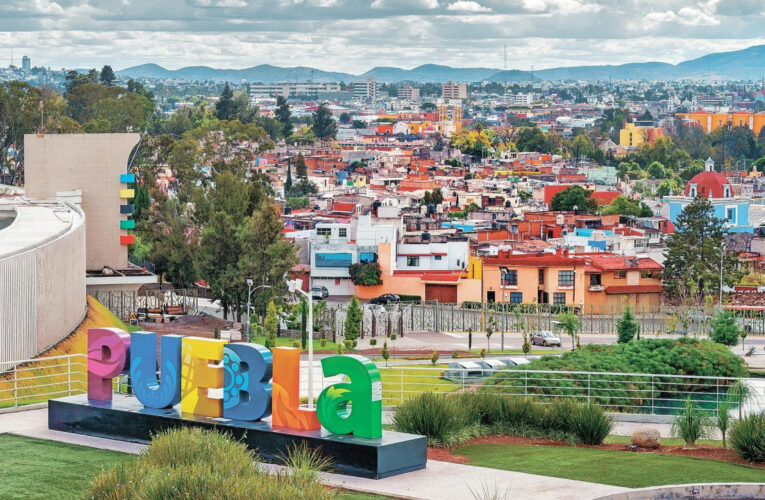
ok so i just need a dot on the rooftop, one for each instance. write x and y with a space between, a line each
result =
36 223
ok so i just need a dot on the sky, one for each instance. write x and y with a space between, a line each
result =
356 35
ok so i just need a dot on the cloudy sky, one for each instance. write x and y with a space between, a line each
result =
356 35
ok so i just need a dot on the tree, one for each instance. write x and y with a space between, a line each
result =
366 274
437 196
692 266
725 330
626 206
303 322
657 170
271 325
345 118
141 203
173 255
627 327
284 115
353 319
570 324
224 108
358 124
668 187
107 76
574 196
324 126
434 358
582 146
300 169
384 353
288 181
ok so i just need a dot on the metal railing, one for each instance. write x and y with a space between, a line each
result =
36 381
33 381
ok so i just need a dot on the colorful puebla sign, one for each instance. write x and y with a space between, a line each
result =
256 383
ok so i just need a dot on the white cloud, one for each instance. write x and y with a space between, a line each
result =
468 6
405 4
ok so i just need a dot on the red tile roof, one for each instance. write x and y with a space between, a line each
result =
621 262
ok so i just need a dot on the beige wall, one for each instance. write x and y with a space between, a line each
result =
91 163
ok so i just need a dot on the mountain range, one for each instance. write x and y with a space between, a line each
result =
747 64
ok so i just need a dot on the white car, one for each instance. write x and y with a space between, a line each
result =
545 339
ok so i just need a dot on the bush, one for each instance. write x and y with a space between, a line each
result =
195 464
627 328
435 416
372 342
590 424
691 424
725 330
747 437
365 274
410 298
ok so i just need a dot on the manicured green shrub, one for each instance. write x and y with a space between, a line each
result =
590 423
372 342
410 298
194 464
725 330
747 437
441 419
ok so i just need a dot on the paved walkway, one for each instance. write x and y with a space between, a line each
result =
437 481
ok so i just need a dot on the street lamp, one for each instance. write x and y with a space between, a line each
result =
297 286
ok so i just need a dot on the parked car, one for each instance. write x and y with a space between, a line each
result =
545 339
385 299
319 292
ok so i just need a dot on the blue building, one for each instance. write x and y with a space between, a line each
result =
714 186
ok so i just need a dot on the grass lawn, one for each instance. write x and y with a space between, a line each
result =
287 342
618 468
37 469
415 381
40 469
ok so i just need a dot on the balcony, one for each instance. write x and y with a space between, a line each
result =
596 288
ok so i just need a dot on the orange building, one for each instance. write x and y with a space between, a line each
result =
712 121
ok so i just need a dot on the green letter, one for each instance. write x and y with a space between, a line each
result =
364 393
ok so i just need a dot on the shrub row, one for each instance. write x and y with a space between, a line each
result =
747 436
198 465
448 420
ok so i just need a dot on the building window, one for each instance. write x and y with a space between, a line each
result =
509 277
516 297
559 298
333 259
438 257
412 261
620 275
323 231
730 215
645 273
342 232
541 276
565 278
514 228
595 280
692 191
726 191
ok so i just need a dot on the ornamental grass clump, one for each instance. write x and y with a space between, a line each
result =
439 418
691 424
193 464
747 437
590 424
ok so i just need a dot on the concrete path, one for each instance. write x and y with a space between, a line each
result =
439 480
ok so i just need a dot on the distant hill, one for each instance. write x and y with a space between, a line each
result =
748 63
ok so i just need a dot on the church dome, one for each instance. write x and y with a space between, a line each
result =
709 184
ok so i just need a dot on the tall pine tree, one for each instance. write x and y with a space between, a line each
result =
300 169
324 126
288 181
224 108
283 115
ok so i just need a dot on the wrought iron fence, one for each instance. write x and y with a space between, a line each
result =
126 303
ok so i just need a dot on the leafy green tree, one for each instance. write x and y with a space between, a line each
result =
626 206
627 327
300 169
353 319
434 358
141 203
582 145
692 266
385 353
345 118
657 170
303 322
271 324
570 324
668 187
324 126
366 274
172 255
107 76
574 196
284 115
725 330
299 202
224 108
288 181
437 196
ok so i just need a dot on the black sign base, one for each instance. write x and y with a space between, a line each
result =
126 419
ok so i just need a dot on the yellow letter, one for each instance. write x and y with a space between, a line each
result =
198 375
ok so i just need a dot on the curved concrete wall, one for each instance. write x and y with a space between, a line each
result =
42 287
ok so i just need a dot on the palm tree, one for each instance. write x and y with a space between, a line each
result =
739 393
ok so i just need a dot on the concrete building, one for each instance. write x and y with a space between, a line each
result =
366 90
451 90
409 93
42 274
292 89
633 135
95 165
26 64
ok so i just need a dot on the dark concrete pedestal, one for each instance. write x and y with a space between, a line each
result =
126 419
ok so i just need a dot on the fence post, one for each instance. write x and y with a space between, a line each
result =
588 387
15 387
717 396
402 383
69 375
653 386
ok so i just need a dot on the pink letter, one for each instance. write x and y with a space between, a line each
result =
108 350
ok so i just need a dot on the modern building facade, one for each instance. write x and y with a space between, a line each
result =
409 93
366 90
451 90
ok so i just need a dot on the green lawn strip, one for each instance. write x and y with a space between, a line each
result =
665 441
287 342
40 469
415 381
618 468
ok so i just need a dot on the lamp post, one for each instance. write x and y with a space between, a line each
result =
250 289
297 286
723 246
